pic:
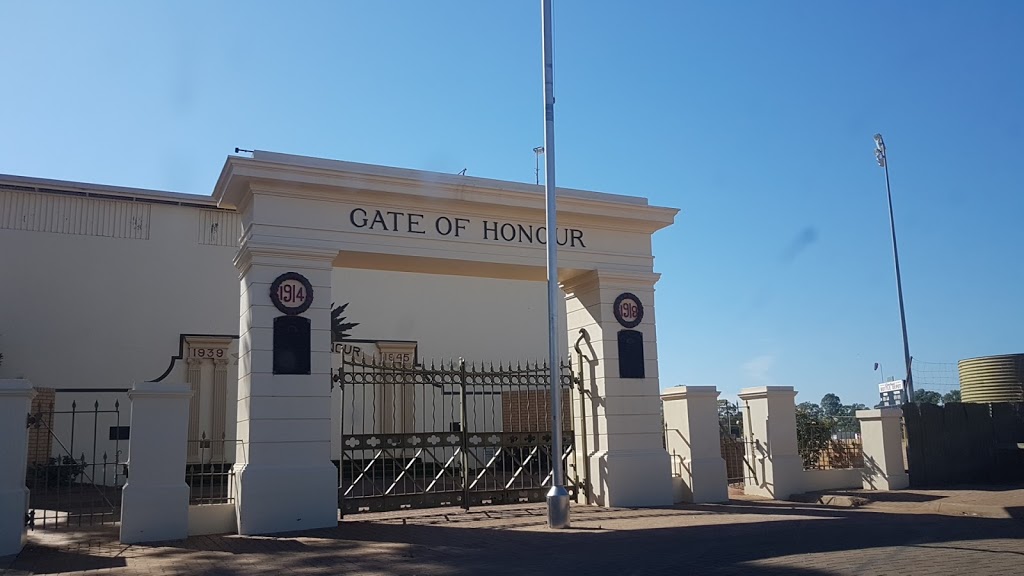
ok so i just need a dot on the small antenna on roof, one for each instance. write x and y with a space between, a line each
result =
462 172
237 150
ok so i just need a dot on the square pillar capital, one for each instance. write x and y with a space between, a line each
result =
690 392
611 279
879 414
308 256
16 388
767 392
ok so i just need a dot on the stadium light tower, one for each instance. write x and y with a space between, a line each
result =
884 163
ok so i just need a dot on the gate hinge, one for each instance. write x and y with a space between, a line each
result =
30 519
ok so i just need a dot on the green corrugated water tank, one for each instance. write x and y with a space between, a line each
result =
992 378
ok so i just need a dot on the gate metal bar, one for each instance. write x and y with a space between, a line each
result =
405 443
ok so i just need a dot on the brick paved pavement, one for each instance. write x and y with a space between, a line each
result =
750 538
990 501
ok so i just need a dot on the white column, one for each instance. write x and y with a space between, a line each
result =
882 438
769 423
694 443
154 501
15 403
286 480
628 464
220 409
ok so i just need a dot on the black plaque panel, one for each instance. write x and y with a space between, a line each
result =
291 345
631 354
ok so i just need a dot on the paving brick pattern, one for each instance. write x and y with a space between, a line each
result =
743 537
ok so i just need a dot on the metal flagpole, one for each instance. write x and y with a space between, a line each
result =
558 496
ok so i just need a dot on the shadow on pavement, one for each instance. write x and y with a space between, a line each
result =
894 496
740 537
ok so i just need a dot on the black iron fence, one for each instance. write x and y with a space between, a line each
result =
829 443
210 476
734 451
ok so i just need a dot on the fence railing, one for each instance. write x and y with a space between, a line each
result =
211 476
829 443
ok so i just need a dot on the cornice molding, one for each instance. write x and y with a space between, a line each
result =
301 179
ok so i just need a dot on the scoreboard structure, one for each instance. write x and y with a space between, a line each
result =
892 393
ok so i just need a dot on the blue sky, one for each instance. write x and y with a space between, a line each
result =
754 118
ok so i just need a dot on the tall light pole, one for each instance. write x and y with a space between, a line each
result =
558 496
884 163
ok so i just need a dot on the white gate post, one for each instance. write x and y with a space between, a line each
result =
627 462
154 501
694 442
883 449
769 423
15 403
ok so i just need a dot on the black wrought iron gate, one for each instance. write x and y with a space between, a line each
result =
450 434
76 464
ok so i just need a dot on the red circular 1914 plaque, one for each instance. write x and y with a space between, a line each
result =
291 293
629 311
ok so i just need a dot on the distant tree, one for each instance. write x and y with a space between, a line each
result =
809 408
852 409
831 405
922 396
951 396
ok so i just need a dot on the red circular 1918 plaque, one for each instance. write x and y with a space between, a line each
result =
291 293
629 311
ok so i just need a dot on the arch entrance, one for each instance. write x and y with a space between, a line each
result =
307 218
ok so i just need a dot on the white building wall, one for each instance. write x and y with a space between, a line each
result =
85 311
96 293
94 296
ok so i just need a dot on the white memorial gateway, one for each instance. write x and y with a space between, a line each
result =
349 280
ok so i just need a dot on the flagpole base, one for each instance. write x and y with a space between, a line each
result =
558 507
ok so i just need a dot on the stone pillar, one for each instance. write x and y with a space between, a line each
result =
882 438
625 456
694 443
283 469
154 500
769 423
15 402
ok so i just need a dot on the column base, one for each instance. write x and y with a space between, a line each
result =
13 507
897 481
153 513
778 479
272 499
704 481
631 478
